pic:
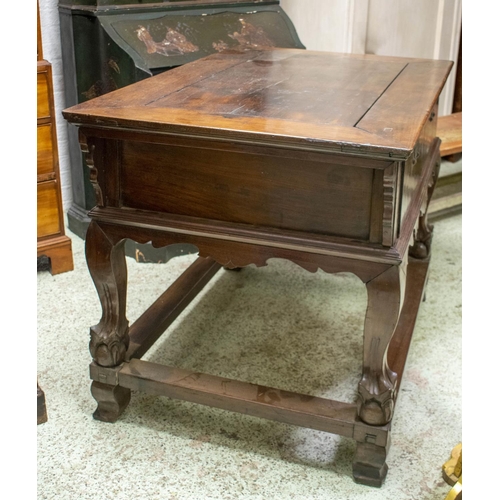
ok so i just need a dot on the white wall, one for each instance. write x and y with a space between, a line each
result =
331 25
410 28
406 28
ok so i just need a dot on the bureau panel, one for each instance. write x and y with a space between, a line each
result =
42 104
285 193
45 156
47 209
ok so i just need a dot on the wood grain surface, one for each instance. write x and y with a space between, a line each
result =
304 99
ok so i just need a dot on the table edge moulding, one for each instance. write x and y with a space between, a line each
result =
360 195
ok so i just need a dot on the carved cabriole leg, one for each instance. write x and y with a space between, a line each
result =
376 391
421 248
107 266
109 338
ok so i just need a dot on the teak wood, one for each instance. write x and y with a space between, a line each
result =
327 160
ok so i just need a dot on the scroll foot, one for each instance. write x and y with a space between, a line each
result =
111 401
369 466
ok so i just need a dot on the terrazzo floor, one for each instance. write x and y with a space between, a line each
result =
278 326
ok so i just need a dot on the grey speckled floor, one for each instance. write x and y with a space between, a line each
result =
173 450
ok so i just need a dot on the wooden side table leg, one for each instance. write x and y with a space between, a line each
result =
111 401
41 417
109 339
369 466
376 390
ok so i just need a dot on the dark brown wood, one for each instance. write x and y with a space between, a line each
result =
251 399
418 207
109 339
421 247
215 191
41 414
417 274
376 391
417 165
326 160
202 230
112 401
51 239
285 80
369 466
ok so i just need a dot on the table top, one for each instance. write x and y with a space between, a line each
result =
362 104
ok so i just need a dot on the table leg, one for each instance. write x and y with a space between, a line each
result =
376 390
41 406
369 466
109 339
111 401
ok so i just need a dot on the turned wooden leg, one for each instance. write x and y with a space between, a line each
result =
369 466
377 388
109 339
421 248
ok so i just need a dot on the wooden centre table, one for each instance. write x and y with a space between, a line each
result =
327 160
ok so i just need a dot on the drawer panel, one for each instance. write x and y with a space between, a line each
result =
45 156
42 104
332 199
47 209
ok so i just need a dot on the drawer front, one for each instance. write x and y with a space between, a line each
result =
42 105
48 220
328 198
45 156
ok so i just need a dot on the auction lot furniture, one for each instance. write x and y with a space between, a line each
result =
327 160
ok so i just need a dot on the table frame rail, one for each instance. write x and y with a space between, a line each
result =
135 374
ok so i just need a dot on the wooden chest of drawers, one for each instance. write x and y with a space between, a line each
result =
51 239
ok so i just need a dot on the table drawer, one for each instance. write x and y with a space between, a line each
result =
45 155
42 104
334 198
48 217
